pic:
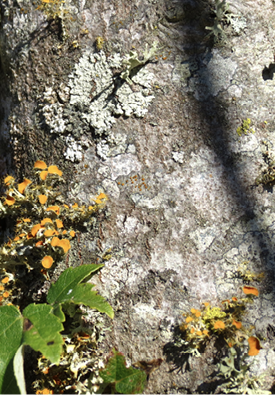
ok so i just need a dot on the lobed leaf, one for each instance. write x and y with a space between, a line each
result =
11 327
44 330
126 380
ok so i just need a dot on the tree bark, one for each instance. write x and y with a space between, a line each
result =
184 210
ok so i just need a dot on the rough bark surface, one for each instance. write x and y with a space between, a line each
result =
184 207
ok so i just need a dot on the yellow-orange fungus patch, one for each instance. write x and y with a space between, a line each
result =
72 233
22 235
5 280
197 313
56 209
254 346
42 199
8 179
192 330
45 220
35 229
66 206
206 304
22 186
59 223
199 333
237 324
43 175
250 291
188 319
55 241
230 344
65 244
226 301
219 325
47 261
75 205
39 243
234 299
45 391
205 332
9 200
39 164
6 294
64 232
49 232
16 238
26 220
54 170
2 288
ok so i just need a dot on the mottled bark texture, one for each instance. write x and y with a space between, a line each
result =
184 208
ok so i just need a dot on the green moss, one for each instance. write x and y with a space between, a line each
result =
245 127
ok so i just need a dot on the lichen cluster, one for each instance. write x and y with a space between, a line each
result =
219 322
44 223
245 127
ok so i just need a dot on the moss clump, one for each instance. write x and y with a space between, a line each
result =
245 127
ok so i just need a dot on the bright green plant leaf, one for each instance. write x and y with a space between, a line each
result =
68 289
57 310
18 368
125 380
43 330
82 294
11 327
60 291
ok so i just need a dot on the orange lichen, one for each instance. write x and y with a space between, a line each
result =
35 229
75 205
54 170
22 186
9 200
65 244
39 243
237 324
56 209
250 290
192 330
72 233
43 175
2 288
254 346
188 319
219 325
6 294
59 223
8 180
45 391
199 333
197 313
42 199
5 280
46 220
39 164
49 232
47 262
234 299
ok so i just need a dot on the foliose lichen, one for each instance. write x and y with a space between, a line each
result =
99 89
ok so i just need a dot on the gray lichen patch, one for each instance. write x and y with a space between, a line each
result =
96 94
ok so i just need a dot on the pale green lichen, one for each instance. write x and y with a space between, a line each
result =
96 94
245 127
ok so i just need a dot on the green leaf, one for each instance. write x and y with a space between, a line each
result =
68 289
82 294
18 368
43 332
57 310
60 291
11 327
125 380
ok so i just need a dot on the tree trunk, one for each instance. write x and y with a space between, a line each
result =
190 199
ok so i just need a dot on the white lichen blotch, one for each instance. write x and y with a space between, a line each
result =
96 94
